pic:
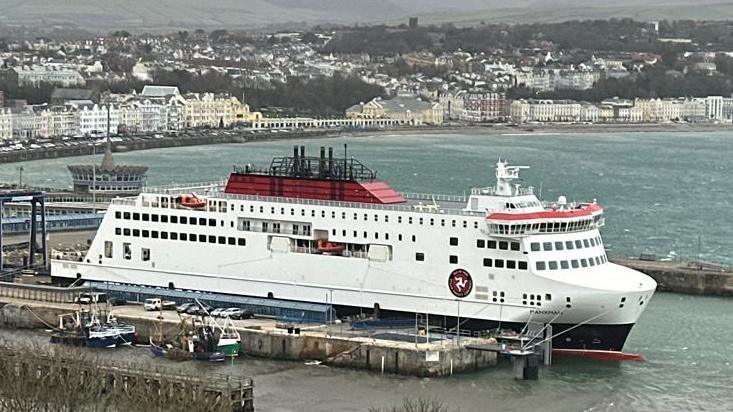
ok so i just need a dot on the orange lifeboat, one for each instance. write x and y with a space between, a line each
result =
191 201
324 246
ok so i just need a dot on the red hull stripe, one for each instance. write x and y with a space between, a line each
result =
552 214
604 355
320 189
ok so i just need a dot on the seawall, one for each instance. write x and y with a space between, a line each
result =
683 277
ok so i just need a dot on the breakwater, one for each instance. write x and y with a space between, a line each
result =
681 277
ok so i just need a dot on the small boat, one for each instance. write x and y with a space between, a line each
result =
229 340
193 341
191 201
324 246
85 329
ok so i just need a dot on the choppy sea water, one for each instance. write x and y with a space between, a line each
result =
661 192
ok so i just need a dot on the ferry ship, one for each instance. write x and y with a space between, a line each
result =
325 229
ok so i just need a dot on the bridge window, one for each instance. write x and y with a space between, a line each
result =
480 243
118 231
574 263
145 254
154 234
503 245
202 221
241 241
578 244
126 215
511 264
559 246
488 262
491 244
118 215
420 257
174 235
146 233
164 235
540 265
146 217
498 263
535 246
584 263
547 246
414 239
585 242
108 249
522 265
174 219
154 217
164 218
514 246
569 245
126 232
553 265
564 264
202 238
136 216
453 259
184 236
453 241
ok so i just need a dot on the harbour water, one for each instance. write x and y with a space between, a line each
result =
661 193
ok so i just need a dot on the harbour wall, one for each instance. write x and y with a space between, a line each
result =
681 277
384 356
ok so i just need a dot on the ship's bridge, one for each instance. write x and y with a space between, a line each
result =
513 210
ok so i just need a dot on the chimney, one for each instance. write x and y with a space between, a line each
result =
330 161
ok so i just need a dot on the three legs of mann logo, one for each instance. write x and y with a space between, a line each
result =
460 283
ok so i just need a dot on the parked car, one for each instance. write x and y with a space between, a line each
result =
183 308
236 313
158 304
195 309
117 301
217 312
87 298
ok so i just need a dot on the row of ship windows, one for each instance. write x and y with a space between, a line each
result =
493 244
488 262
566 245
191 237
385 218
574 263
146 217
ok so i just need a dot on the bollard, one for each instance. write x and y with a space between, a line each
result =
382 364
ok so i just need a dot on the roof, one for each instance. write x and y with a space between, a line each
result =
402 103
159 91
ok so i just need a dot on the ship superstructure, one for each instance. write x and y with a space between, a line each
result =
321 229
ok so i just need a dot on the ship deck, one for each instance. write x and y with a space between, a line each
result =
441 204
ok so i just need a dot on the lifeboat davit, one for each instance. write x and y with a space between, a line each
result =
324 246
191 201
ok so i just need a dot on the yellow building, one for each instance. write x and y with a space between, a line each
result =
210 110
406 109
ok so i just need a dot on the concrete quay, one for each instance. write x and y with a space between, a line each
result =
330 344
681 277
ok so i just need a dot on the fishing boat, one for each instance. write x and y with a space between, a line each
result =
193 340
83 328
229 340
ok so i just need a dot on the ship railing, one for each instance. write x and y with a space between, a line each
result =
185 188
436 197
353 205
124 201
